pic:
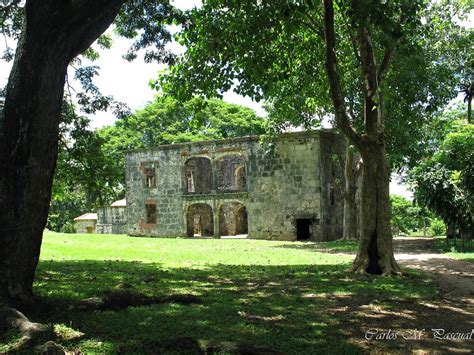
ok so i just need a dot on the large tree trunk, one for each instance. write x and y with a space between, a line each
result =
29 133
54 33
375 253
350 231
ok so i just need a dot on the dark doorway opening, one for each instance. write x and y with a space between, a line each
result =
303 228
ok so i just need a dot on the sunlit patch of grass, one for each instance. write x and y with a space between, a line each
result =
278 295
455 251
64 332
9 340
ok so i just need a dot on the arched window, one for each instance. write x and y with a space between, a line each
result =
240 179
198 176
231 173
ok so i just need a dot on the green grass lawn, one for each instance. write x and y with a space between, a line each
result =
280 295
455 251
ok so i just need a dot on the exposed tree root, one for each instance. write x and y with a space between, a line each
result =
361 267
39 335
31 333
120 299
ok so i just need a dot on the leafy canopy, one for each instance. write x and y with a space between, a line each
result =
274 50
444 181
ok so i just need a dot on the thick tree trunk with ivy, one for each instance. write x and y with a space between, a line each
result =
375 253
54 33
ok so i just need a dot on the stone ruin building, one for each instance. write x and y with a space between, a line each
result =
236 187
112 219
107 220
86 223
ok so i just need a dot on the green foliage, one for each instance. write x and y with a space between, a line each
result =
437 227
85 176
410 218
444 181
166 121
66 204
283 62
455 249
405 216
146 22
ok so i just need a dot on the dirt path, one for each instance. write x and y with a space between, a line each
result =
419 327
454 277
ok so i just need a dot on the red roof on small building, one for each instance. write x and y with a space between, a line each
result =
87 217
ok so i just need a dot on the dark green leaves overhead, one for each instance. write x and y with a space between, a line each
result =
274 50
145 21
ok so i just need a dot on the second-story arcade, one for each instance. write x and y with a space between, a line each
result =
234 187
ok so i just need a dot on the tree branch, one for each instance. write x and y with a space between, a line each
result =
372 113
313 25
342 119
389 51
387 58
353 40
369 66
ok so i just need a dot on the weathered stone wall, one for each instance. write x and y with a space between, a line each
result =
104 228
167 193
332 185
85 226
228 168
285 186
276 189
112 220
104 215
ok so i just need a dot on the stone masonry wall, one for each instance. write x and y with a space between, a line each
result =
285 186
166 194
277 189
85 226
111 220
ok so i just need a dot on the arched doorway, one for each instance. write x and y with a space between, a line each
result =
198 175
232 219
199 220
241 222
231 173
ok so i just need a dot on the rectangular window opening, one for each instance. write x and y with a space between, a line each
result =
150 180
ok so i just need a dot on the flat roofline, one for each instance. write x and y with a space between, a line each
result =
228 140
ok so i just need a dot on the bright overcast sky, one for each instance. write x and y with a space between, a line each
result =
128 81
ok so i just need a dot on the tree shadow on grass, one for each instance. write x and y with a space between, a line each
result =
286 309
338 246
